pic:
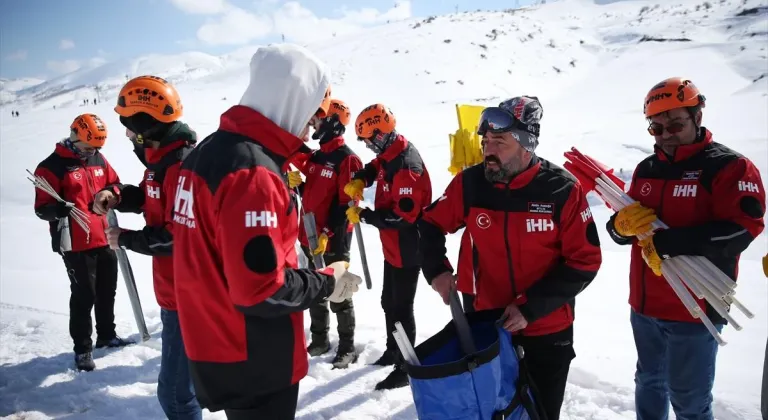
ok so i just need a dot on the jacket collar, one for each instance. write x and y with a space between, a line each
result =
154 156
64 152
250 123
394 149
686 151
332 144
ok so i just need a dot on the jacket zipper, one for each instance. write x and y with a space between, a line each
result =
645 268
91 188
509 249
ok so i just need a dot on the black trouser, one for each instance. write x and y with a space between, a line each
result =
548 359
397 296
345 311
93 281
279 405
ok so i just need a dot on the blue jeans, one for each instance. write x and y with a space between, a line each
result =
675 363
174 385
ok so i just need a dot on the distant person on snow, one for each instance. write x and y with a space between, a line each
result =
152 123
713 200
327 171
532 243
403 188
77 170
240 295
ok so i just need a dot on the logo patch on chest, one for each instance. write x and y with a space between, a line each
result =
691 175
541 208
150 176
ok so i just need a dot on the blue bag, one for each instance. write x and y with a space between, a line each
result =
482 384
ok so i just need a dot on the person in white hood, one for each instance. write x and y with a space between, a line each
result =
239 292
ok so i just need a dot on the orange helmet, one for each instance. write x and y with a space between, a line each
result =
373 120
339 108
672 93
89 129
151 95
322 110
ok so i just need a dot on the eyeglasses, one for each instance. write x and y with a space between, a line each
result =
497 120
657 129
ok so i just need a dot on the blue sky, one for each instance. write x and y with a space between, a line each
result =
47 38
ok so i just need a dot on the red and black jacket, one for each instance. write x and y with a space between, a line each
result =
239 294
712 199
327 171
77 181
531 242
154 197
403 189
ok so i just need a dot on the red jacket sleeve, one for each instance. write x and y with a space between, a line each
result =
250 208
445 215
154 240
738 199
337 217
580 259
47 207
407 195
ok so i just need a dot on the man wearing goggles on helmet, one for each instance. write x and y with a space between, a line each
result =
534 244
712 199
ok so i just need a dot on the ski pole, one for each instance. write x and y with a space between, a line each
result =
130 281
361 247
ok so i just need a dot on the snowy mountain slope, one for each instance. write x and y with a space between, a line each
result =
595 105
9 87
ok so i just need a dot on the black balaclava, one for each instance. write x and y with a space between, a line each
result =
329 129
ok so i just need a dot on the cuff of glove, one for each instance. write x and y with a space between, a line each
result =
664 244
328 232
364 214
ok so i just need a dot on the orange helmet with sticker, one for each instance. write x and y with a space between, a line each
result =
339 108
374 119
672 93
89 129
151 95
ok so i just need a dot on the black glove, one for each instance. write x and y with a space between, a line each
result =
62 210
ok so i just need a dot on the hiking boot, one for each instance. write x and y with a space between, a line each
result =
389 358
113 342
84 362
318 346
397 379
345 355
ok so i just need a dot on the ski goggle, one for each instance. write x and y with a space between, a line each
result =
657 129
497 120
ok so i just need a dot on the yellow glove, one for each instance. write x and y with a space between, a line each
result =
294 179
650 255
634 220
353 214
322 242
354 189
765 265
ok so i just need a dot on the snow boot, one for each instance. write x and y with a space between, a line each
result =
113 342
84 362
398 378
389 358
345 355
319 345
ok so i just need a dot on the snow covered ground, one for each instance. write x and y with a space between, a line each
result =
587 64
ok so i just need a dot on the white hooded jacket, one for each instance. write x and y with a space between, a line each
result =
287 85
